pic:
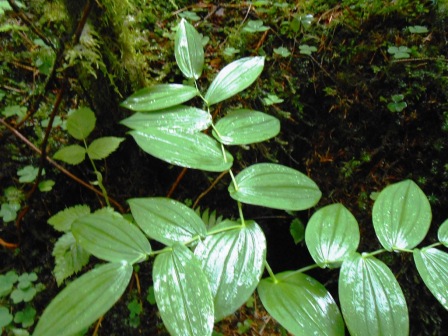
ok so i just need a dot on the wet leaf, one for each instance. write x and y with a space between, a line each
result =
331 234
301 304
442 234
159 97
182 293
243 127
197 150
166 220
110 237
188 50
234 78
184 118
233 261
84 300
432 265
275 186
371 299
401 216
63 220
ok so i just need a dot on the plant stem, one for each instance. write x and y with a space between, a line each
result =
371 254
271 273
99 177
229 228
233 180
240 210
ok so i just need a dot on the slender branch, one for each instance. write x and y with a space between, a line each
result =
204 193
58 166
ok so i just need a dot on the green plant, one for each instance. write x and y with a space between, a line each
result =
16 295
204 274
397 104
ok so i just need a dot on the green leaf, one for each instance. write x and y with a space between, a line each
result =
188 50
101 148
198 150
84 300
275 186
305 49
25 317
159 97
73 154
184 118
254 26
69 257
234 78
442 234
371 298
110 237
27 174
301 304
81 123
297 230
331 234
182 293
46 185
418 29
233 261
432 265
8 211
282 51
166 220
7 282
401 216
5 317
62 221
242 127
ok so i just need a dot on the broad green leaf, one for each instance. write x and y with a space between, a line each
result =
63 220
166 220
188 50
234 78
401 216
301 304
372 302
73 154
69 257
101 148
233 261
84 300
110 237
275 186
198 150
432 265
331 234
81 123
443 233
159 97
243 127
182 293
184 118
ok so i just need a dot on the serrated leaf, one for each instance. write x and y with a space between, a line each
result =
159 97
401 216
182 293
73 154
62 221
184 118
197 150
69 257
331 234
81 123
442 233
275 186
27 174
101 148
242 127
371 299
166 220
233 261
84 300
301 304
110 237
234 78
188 50
432 265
